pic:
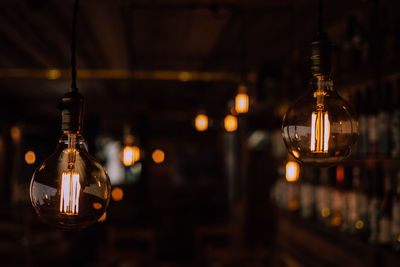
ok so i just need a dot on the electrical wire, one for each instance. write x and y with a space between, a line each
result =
320 9
73 47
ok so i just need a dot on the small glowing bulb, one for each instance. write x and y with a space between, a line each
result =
130 155
201 122
242 103
30 157
242 100
230 123
158 156
292 171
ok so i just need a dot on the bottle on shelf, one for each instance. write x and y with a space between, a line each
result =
395 123
337 182
375 198
347 189
385 212
361 106
323 197
307 193
384 119
372 122
358 206
396 213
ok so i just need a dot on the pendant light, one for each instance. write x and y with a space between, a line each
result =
230 123
201 122
70 189
320 127
130 152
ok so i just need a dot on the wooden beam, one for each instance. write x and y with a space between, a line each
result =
126 74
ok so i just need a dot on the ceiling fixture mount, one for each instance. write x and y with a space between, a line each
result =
320 127
70 189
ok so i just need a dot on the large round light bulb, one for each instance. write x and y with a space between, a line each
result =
70 189
320 128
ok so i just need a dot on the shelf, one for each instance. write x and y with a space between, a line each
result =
370 161
315 245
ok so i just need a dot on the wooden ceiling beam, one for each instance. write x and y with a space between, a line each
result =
126 74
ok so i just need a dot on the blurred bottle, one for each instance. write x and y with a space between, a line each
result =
337 183
396 213
362 145
372 122
358 206
323 194
347 190
384 119
294 196
375 199
307 193
385 213
395 123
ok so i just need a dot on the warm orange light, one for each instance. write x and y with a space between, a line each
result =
242 103
158 156
130 155
230 123
292 171
117 194
30 157
320 131
201 122
53 74
70 189
16 134
103 217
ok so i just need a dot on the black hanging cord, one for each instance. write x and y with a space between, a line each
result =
320 8
73 47
243 50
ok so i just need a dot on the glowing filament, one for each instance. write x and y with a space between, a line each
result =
70 189
242 103
201 122
320 131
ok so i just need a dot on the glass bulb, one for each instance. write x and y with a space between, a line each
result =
320 127
70 189
201 122
230 123
242 100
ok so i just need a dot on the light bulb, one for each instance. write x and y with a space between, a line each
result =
320 127
130 155
242 100
230 123
292 171
70 189
201 122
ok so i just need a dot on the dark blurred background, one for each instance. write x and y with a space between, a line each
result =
213 198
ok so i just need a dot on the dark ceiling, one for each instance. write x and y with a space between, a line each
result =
119 39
